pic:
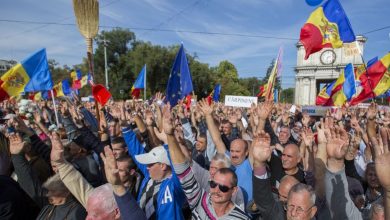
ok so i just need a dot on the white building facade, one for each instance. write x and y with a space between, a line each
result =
320 68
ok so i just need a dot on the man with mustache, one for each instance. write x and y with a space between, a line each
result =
214 205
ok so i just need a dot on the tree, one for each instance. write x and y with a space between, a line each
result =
287 95
227 75
58 73
252 84
120 42
277 85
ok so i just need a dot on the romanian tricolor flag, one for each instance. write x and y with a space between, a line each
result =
340 91
62 89
269 89
76 76
375 81
31 75
262 90
85 80
215 94
327 26
325 94
139 83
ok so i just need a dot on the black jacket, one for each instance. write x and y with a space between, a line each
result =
269 207
14 202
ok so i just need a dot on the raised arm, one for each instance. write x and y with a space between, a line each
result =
73 180
127 205
382 167
213 129
175 152
262 190
337 195
27 179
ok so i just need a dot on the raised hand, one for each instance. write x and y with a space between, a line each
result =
180 110
382 162
57 149
322 132
110 167
149 118
161 135
264 109
205 107
37 117
308 138
355 123
336 146
372 111
16 143
261 148
168 126
305 119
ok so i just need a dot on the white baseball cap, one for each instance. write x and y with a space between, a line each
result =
156 155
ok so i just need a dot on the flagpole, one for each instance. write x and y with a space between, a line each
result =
55 108
145 84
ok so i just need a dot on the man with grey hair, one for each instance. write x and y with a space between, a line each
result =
203 177
101 204
301 202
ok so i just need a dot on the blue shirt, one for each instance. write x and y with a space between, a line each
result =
170 198
244 175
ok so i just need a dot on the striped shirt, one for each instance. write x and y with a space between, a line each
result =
199 199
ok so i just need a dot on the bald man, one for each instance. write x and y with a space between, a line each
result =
286 183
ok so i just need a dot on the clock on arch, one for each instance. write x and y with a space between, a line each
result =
328 57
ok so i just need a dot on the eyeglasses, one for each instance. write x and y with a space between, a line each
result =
298 210
222 188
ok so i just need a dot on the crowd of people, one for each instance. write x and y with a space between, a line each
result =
204 160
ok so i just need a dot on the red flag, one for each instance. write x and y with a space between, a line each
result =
3 94
135 92
261 92
188 101
76 84
101 94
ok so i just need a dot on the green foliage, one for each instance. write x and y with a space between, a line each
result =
58 73
267 75
287 95
126 56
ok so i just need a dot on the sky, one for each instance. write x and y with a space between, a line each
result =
251 31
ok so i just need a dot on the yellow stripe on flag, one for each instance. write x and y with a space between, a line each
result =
15 80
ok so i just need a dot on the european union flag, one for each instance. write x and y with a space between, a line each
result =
217 92
180 80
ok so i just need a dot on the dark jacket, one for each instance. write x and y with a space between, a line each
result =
70 210
268 206
28 180
14 202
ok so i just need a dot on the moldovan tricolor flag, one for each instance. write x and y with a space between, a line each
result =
31 75
327 26
375 81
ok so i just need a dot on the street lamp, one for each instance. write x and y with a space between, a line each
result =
105 44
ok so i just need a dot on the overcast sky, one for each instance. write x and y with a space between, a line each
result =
253 30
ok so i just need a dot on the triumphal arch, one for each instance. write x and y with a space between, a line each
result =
321 68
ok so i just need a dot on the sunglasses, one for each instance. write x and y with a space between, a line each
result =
222 188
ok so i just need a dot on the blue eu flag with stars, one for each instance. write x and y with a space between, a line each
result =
180 80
